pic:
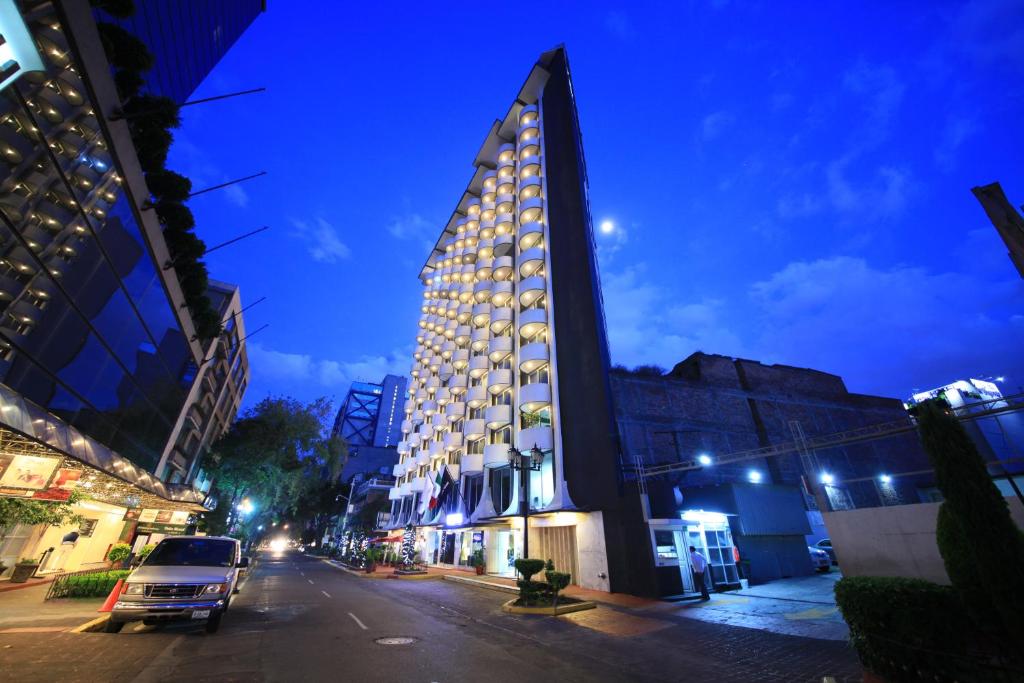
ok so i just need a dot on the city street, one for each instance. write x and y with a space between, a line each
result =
299 618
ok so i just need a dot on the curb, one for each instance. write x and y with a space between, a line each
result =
511 608
8 586
91 625
482 584
353 572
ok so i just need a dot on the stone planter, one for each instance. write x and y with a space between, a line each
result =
479 570
566 608
23 572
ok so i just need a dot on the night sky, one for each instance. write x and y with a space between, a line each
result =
790 185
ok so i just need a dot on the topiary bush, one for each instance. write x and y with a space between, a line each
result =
529 590
123 50
909 629
557 581
119 552
168 186
982 548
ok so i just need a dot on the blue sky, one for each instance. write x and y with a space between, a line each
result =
789 184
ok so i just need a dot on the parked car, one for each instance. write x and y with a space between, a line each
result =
826 545
185 578
820 559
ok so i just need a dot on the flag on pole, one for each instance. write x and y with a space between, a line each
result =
435 491
426 494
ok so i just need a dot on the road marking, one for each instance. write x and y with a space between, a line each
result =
356 619
310 581
326 593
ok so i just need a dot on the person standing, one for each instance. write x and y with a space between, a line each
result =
700 565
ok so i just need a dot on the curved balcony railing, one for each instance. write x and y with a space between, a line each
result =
530 260
530 234
502 294
498 380
532 321
501 318
499 349
531 289
495 454
478 366
472 463
533 397
476 396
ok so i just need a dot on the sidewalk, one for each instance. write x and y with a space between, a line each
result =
25 611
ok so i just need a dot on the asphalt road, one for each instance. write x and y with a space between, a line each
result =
300 619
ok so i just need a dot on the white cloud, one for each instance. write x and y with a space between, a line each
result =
306 377
413 226
882 195
322 240
881 91
955 132
886 327
647 326
715 124
237 196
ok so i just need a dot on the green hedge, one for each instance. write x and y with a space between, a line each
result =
96 585
910 630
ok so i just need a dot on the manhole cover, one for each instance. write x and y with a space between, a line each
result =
395 640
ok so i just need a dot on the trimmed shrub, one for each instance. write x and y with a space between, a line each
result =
982 548
119 552
910 629
128 83
529 591
528 567
175 216
95 585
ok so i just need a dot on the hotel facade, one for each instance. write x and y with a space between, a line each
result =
511 351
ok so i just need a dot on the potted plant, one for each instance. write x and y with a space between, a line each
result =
118 553
373 555
479 563
144 552
24 570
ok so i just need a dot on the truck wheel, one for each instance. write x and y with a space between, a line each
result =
113 626
213 623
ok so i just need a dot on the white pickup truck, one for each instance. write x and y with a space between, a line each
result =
185 578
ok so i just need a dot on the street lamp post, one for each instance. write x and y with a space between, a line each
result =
525 463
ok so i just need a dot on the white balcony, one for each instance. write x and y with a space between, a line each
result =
501 318
442 396
455 410
403 448
463 332
531 289
485 249
498 416
416 484
502 294
496 454
482 291
437 447
483 268
529 187
474 429
530 233
430 407
476 396
500 348
398 469
503 246
457 384
532 321
531 260
460 359
394 493
481 314
452 441
472 463
406 426
502 266
478 366
410 405
480 339
540 436
498 381
423 457
533 397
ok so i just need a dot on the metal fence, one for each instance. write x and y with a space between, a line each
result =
88 583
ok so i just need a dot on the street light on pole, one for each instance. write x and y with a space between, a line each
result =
525 463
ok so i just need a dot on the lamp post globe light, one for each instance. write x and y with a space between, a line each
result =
525 463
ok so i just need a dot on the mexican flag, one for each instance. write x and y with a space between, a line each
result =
435 490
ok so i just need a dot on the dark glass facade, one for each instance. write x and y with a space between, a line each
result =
87 329
187 37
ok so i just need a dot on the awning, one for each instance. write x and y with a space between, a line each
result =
389 539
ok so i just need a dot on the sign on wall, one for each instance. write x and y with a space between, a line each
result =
29 472
18 52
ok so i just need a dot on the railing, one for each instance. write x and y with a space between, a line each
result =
88 583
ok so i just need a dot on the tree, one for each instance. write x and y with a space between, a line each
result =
269 456
982 548
409 546
557 581
15 511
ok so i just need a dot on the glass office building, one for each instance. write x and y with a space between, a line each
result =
187 38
